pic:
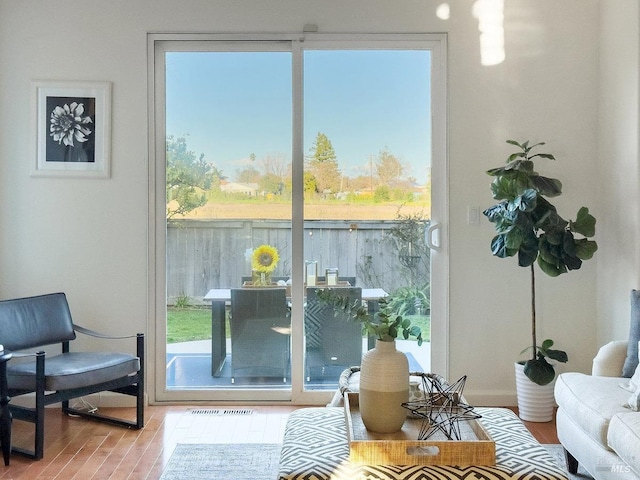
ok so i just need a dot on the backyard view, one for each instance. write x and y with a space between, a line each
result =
388 201
196 189
231 182
189 323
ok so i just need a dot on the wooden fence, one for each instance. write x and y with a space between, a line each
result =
205 254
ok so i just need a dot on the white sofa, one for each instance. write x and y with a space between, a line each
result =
595 428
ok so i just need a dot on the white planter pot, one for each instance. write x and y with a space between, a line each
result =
535 402
384 386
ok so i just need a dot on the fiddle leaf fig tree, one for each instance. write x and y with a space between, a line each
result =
528 226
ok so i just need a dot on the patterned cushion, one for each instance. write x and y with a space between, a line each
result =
315 447
314 313
315 440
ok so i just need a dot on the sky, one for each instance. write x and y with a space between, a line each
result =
229 105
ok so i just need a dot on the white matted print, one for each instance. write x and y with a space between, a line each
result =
72 129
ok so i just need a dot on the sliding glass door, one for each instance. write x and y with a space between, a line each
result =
366 197
286 167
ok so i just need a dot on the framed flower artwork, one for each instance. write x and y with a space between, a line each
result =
72 125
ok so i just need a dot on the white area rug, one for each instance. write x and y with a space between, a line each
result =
557 452
215 461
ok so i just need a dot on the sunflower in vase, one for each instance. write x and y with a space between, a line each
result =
263 262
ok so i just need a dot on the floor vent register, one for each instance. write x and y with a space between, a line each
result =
225 411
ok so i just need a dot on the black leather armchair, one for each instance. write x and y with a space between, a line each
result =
34 322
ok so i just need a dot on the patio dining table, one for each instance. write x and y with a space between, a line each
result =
221 297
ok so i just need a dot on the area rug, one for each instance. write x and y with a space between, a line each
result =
258 461
557 452
220 461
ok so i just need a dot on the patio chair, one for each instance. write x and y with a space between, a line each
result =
260 325
333 341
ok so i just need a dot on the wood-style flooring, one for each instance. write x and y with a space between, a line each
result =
81 449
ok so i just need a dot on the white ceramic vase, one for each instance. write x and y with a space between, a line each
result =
535 402
384 386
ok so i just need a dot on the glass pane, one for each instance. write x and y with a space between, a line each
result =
367 136
228 130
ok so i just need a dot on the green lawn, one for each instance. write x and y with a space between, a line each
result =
194 323
188 324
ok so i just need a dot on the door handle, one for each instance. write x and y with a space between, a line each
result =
432 236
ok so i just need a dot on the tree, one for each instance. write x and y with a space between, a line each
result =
323 164
275 164
388 168
187 177
271 183
310 184
361 183
528 226
275 168
382 194
248 174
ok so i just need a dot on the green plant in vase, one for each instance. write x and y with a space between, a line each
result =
528 226
385 325
384 372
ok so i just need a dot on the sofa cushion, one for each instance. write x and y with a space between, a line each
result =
633 386
591 401
633 402
631 361
624 438
73 370
634 381
610 359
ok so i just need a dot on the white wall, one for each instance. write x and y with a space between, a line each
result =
619 190
546 90
89 237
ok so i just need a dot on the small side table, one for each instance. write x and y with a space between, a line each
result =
5 414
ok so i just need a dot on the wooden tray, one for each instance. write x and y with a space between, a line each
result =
403 447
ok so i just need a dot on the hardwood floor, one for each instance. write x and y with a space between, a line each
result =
544 432
80 449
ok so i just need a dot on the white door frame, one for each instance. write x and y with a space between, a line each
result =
438 236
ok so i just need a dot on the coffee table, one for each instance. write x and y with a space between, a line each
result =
315 446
